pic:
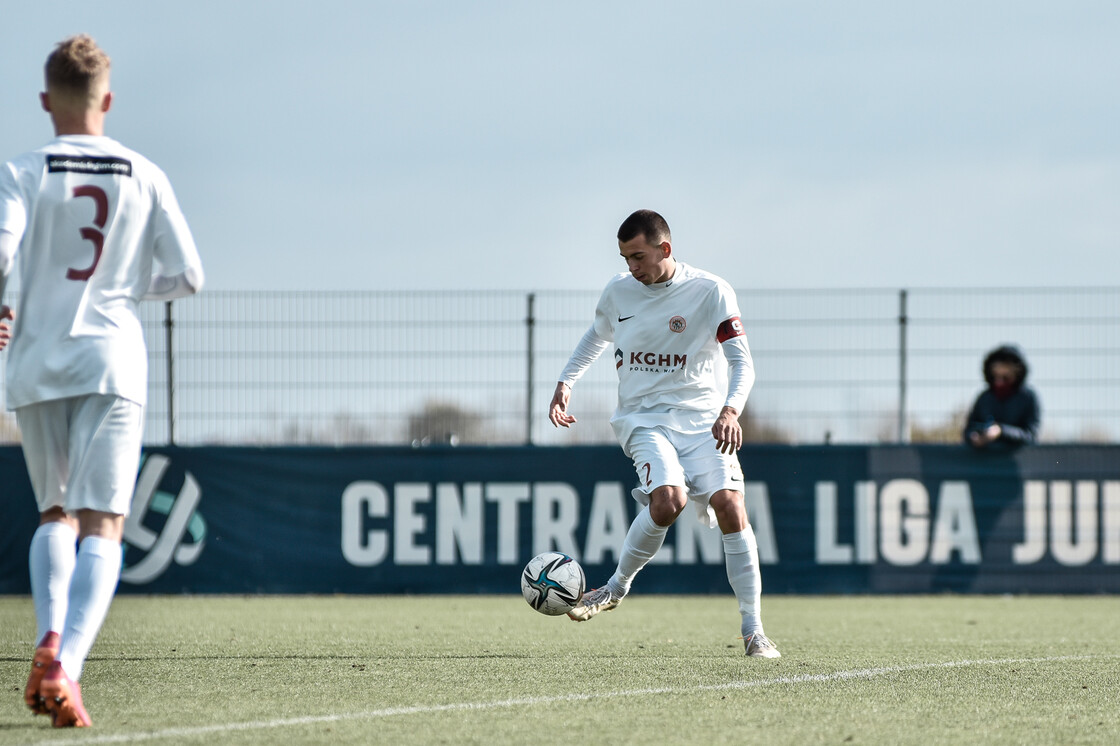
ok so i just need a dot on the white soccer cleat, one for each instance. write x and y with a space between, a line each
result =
758 645
592 603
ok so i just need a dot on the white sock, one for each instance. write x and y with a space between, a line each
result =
741 555
51 563
91 591
643 539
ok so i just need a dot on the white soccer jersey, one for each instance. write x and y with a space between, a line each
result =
92 217
668 343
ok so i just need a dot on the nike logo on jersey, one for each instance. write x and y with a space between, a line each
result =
625 318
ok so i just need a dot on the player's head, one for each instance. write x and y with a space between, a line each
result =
77 78
645 223
645 243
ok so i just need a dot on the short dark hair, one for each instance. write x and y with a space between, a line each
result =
645 223
76 64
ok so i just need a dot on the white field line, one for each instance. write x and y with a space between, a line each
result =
820 678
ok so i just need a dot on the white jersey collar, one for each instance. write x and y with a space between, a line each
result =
677 277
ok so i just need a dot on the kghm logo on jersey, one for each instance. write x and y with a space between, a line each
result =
618 358
677 324
657 362
164 526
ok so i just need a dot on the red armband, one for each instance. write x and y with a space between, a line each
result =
729 329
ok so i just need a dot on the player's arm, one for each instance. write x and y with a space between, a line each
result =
8 245
590 347
6 315
170 287
558 409
740 379
175 251
13 222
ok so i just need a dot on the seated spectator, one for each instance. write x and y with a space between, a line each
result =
1007 413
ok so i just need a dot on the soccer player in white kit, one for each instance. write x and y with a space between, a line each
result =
89 222
676 333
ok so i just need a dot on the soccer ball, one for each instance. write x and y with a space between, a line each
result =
552 583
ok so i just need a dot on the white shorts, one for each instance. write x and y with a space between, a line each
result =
82 452
690 460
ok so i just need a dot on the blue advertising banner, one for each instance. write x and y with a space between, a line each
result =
828 519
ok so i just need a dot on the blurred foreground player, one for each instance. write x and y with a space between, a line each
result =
675 330
88 221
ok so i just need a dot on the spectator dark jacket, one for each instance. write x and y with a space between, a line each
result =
1014 407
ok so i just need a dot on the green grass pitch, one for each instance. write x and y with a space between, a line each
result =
659 669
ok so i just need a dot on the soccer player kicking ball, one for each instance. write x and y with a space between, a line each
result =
88 221
673 327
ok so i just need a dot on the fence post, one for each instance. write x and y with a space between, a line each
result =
903 419
168 325
530 323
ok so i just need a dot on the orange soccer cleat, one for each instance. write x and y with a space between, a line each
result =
64 699
45 653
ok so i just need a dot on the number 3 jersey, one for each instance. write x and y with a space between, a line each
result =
674 345
92 217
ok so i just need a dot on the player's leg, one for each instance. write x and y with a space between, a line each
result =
720 476
105 444
51 563
97 570
646 535
43 429
740 551
96 574
661 488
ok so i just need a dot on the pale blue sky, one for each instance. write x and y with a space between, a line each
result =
442 145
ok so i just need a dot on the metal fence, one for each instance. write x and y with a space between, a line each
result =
839 366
